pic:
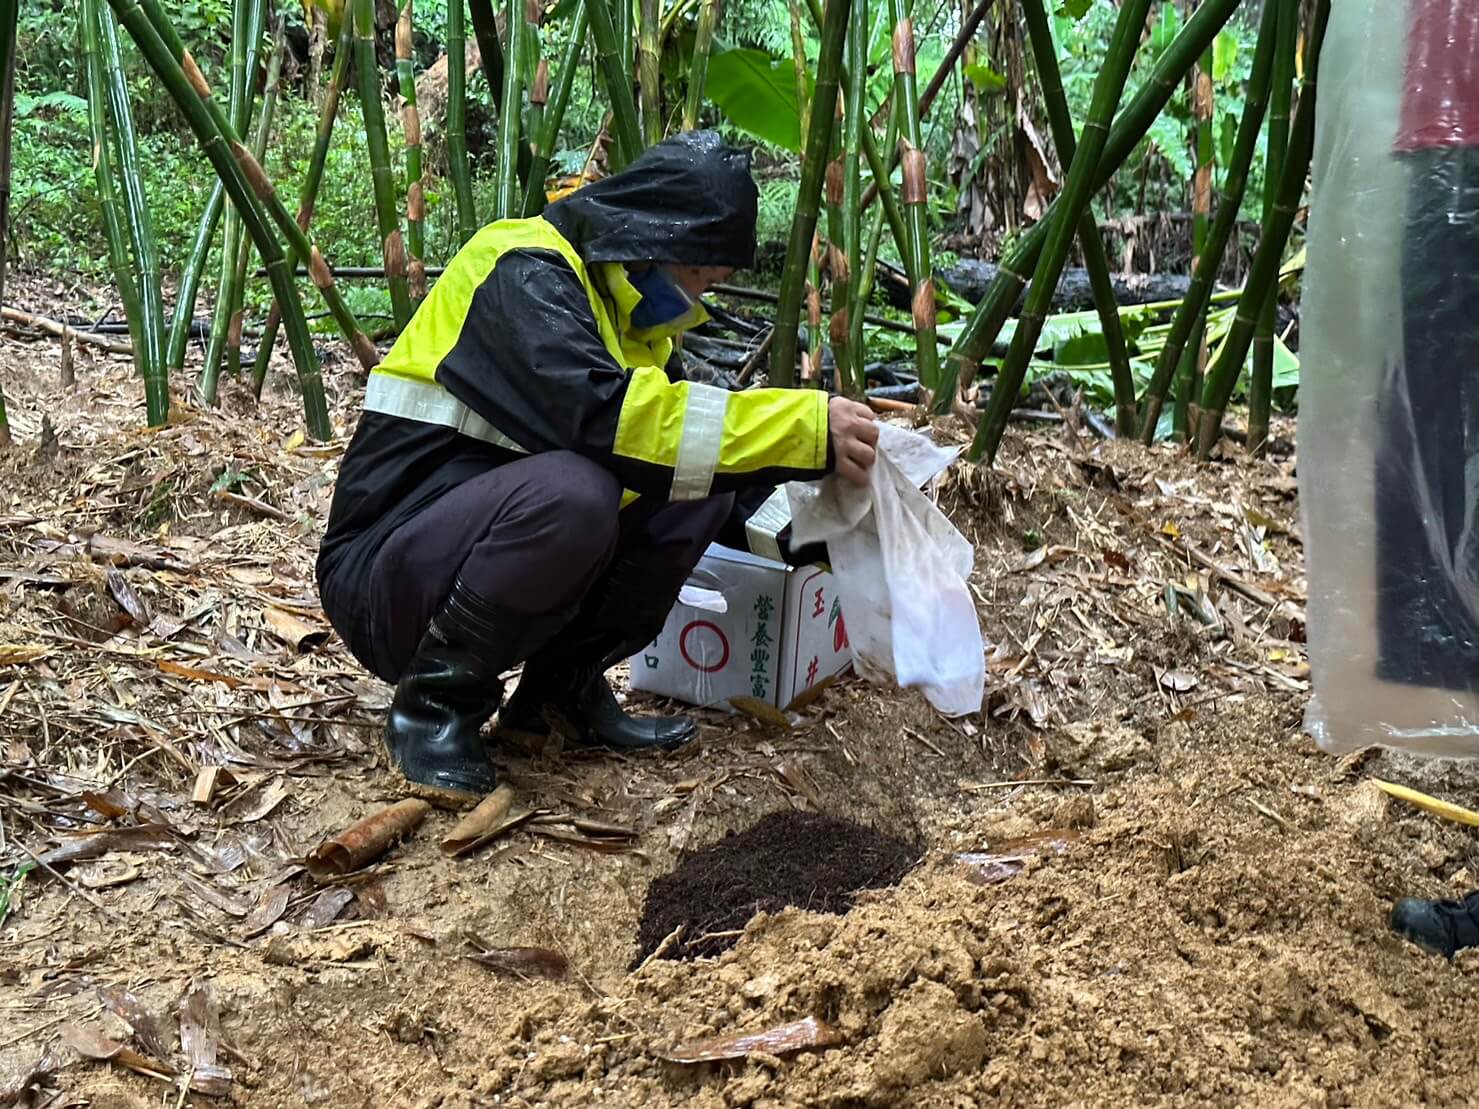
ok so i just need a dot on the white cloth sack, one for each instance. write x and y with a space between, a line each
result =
901 570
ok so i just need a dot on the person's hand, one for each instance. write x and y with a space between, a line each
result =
854 435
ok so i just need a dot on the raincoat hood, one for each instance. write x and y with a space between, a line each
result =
689 201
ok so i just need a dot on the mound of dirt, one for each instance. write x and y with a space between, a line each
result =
787 859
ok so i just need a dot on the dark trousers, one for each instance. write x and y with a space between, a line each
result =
533 536
1427 476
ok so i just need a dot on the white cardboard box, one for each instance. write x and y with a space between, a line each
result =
780 634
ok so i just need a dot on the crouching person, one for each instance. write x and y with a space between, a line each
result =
532 480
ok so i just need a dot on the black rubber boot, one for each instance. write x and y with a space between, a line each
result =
564 688
451 688
1442 926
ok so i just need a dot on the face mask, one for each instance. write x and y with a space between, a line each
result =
666 308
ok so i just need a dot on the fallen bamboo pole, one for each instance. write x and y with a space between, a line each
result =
66 331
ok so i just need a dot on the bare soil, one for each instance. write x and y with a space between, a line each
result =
1141 882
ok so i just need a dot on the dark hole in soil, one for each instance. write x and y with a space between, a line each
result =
808 860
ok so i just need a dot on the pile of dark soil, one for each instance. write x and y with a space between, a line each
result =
806 860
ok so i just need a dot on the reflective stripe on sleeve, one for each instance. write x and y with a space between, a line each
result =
703 435
763 528
428 403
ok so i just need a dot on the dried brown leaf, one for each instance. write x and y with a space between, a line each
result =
89 1041
326 907
603 846
297 634
200 1039
270 907
491 812
212 894
208 781
1179 681
142 1023
107 875
526 962
195 674
127 599
257 804
253 505
602 829
20 1081
763 711
110 805
124 552
808 1034
366 841
140 837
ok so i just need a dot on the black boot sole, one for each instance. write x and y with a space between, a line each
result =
556 727
439 797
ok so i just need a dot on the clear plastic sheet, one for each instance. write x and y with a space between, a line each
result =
1389 403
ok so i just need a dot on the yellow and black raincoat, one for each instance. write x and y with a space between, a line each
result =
525 344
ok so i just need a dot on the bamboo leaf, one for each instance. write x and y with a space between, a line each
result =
757 94
985 78
1224 56
1165 30
1227 138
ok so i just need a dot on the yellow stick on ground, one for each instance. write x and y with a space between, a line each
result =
1445 809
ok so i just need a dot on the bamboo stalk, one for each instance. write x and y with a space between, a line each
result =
863 280
490 50
209 380
880 185
962 39
813 166
247 31
810 360
609 50
308 194
554 114
9 23
119 258
505 196
536 78
698 69
260 140
144 248
1130 126
622 22
485 29
1263 274
193 271
915 197
1261 384
1050 79
245 38
839 328
649 80
855 121
169 60
538 104
875 236
457 164
1209 261
387 216
1078 191
190 277
405 71
1193 356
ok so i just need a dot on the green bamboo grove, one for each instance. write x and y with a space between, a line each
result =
864 126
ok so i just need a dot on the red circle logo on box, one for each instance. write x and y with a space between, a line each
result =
693 627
